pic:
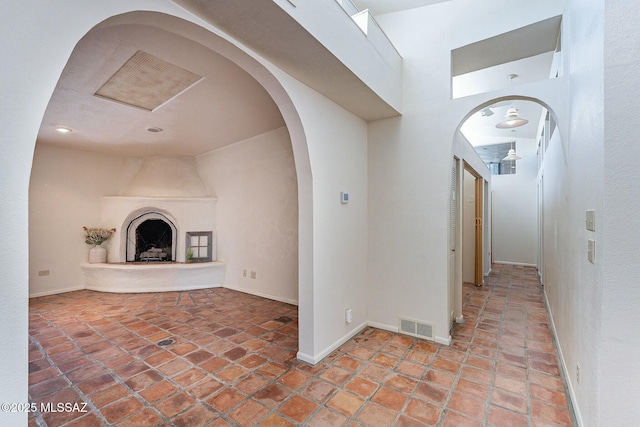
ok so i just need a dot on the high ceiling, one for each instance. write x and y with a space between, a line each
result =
517 57
227 105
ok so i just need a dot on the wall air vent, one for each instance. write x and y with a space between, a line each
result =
416 328
147 82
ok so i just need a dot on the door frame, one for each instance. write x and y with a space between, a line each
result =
479 194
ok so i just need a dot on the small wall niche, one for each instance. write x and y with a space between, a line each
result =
199 246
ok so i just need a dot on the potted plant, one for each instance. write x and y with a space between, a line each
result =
97 236
189 255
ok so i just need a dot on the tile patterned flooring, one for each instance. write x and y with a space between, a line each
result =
233 363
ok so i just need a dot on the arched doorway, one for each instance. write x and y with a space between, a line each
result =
212 44
513 212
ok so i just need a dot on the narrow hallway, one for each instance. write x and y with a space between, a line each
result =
507 328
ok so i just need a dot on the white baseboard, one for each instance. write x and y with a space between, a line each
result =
336 344
383 326
563 365
443 341
260 294
439 340
316 359
306 358
57 291
524 264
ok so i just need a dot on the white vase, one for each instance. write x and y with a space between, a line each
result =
97 254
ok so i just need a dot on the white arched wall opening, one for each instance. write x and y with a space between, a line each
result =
464 153
209 37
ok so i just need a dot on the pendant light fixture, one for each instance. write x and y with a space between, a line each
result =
512 120
511 155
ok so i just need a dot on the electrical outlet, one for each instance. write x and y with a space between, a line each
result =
348 315
577 373
591 251
244 272
253 274
43 273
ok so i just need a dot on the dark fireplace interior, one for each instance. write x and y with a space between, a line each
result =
153 241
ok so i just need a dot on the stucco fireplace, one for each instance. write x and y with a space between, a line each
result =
147 252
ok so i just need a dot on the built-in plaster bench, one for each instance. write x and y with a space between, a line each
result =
152 277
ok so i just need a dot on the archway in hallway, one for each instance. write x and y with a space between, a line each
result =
513 213
206 41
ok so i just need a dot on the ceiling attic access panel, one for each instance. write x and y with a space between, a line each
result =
147 82
532 52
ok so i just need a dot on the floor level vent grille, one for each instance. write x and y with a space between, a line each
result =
416 328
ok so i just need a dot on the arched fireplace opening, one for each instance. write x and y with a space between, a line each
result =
151 237
153 241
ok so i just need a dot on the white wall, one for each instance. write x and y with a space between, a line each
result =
593 167
337 144
619 249
255 182
66 194
573 182
410 157
514 210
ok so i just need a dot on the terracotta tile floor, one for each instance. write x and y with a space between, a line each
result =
233 363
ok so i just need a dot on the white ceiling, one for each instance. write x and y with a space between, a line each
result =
525 42
380 7
480 128
227 106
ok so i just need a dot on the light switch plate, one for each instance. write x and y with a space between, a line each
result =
591 220
591 251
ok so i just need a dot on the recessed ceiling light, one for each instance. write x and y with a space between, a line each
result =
154 129
63 129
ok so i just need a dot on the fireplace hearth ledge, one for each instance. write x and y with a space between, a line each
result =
153 277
